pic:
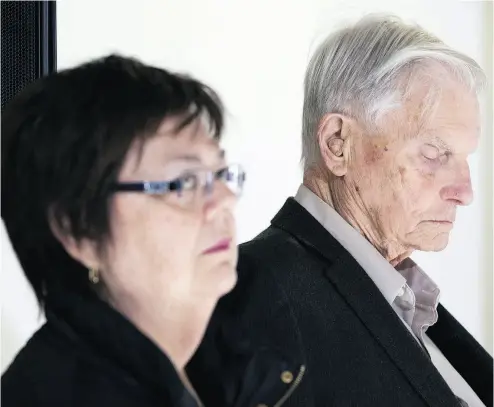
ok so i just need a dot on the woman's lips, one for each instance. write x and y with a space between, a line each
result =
222 245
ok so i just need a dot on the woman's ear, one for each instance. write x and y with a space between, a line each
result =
334 139
82 250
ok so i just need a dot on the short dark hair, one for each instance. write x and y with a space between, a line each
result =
64 140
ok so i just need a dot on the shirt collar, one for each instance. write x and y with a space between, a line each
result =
390 281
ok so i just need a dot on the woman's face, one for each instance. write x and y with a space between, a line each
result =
174 245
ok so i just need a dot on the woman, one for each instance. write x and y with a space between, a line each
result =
119 204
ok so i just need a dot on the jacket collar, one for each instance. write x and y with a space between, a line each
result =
407 287
362 295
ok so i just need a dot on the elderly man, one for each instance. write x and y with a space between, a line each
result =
390 117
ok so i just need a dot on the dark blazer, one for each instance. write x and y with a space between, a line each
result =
301 291
89 355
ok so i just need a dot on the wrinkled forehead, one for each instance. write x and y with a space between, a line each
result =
454 119
447 111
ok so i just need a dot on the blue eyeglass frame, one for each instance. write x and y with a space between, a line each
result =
163 187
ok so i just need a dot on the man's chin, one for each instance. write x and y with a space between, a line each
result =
436 244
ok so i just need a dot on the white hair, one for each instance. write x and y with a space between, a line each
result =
367 69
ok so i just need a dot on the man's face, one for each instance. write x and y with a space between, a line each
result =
412 176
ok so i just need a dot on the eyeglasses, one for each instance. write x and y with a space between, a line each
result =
190 186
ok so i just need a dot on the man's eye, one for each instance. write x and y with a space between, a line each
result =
430 152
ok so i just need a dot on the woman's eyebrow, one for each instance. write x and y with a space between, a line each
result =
196 157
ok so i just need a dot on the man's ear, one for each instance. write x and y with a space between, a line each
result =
334 139
83 250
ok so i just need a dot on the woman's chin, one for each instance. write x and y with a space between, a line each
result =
217 282
226 279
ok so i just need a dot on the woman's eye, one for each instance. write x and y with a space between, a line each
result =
223 174
188 182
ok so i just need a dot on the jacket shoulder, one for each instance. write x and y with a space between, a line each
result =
270 274
52 370
274 262
38 366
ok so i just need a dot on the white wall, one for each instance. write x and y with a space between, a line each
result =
254 54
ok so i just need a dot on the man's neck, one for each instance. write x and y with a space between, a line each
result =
346 202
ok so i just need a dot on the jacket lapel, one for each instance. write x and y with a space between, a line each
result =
466 355
369 305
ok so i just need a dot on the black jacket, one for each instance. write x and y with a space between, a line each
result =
89 355
301 291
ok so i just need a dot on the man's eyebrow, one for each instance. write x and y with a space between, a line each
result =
441 143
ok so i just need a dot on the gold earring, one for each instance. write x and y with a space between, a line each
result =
93 275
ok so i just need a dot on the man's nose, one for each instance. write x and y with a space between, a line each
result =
460 189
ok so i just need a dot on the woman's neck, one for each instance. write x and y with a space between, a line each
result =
175 326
